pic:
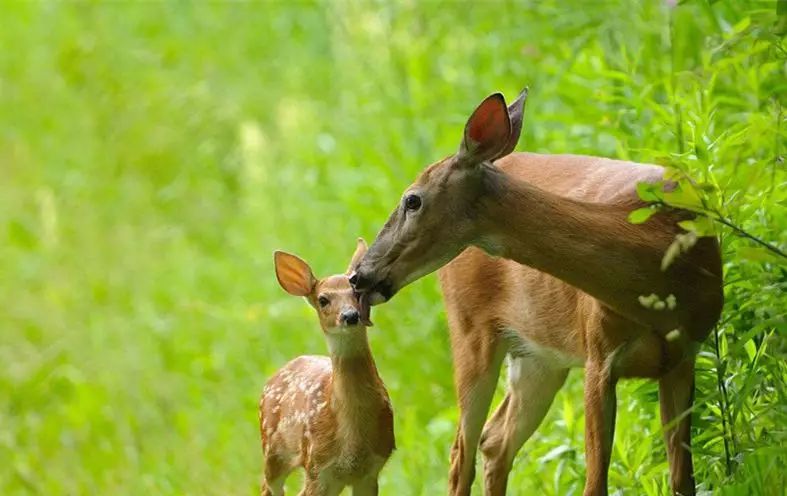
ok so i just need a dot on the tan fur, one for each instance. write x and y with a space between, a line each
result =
330 415
541 264
485 295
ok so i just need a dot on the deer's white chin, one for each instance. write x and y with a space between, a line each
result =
340 332
375 298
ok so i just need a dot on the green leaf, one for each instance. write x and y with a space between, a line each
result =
760 255
700 225
706 187
568 414
650 192
640 215
683 197
555 453
751 349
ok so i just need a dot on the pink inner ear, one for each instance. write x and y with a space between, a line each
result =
488 124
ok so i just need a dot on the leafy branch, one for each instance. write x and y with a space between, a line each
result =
702 199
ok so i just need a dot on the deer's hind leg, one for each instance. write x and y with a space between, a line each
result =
676 396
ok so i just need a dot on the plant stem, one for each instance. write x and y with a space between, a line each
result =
723 403
716 216
740 232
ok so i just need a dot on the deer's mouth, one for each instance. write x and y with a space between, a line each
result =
365 308
379 293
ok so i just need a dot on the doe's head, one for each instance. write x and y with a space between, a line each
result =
438 215
337 304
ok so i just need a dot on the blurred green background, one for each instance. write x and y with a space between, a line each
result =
153 155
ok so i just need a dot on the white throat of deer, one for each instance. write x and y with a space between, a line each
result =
354 373
347 342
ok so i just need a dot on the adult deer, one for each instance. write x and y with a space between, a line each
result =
540 264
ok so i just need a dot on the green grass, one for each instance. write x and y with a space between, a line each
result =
153 155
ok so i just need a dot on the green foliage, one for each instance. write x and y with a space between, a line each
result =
153 155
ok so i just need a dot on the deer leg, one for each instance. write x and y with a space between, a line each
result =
366 487
676 396
475 382
599 424
273 487
314 486
275 473
532 386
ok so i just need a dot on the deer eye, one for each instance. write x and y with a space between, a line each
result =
323 301
412 202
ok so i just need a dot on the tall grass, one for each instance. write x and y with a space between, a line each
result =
153 155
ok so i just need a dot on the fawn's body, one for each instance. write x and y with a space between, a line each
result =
330 415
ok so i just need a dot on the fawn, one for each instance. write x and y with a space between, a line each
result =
330 415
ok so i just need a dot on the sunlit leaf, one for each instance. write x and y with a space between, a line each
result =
700 225
751 349
555 453
683 197
641 215
649 192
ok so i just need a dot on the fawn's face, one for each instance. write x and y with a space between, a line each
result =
336 304
333 298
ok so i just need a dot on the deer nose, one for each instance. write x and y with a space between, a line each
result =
350 317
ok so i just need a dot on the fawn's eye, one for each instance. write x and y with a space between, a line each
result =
323 301
412 202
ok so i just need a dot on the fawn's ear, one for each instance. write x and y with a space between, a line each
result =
487 132
360 251
294 275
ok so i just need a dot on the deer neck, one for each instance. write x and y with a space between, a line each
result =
354 381
591 246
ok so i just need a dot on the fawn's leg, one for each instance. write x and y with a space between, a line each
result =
475 379
314 486
676 396
532 385
275 473
366 487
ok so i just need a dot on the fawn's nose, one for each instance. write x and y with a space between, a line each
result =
350 317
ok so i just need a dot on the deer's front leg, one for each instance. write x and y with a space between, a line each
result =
600 408
475 378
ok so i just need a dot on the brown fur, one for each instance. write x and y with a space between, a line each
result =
330 415
485 294
541 265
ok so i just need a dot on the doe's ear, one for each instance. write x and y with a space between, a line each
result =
360 251
294 275
515 113
488 130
